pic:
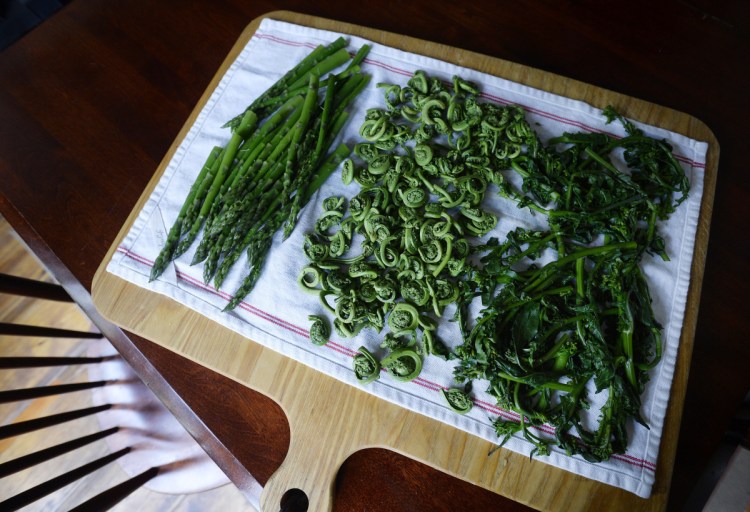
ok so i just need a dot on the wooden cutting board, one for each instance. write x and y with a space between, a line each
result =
322 440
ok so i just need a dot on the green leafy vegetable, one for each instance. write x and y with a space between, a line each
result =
548 329
563 309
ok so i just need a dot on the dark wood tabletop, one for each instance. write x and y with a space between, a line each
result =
91 100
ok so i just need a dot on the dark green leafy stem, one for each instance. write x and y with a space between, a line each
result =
561 308
278 155
586 316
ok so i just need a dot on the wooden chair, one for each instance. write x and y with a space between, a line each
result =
47 291
41 290
129 421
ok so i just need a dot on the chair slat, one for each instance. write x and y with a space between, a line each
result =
32 459
44 332
15 285
23 427
113 496
7 363
15 395
37 492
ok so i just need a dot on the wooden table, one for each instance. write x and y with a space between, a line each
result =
92 99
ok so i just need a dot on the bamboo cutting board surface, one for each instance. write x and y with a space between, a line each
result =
322 440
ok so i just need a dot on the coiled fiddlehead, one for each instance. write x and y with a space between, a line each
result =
403 364
319 330
366 366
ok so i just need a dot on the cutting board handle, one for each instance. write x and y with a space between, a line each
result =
309 467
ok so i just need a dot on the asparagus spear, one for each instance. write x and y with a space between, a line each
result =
245 190
262 178
299 130
253 148
249 121
173 238
301 70
259 248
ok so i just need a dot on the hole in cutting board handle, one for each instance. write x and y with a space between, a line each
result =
294 500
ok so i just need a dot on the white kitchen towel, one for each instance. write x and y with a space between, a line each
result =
276 313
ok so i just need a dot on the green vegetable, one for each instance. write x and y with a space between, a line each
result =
195 195
275 160
403 364
284 88
419 200
561 308
585 316
458 400
366 366
319 331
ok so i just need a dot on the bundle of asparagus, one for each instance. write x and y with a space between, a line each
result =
277 157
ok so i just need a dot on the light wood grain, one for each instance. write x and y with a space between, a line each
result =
320 441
